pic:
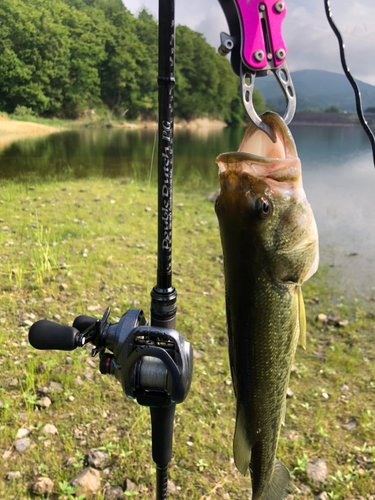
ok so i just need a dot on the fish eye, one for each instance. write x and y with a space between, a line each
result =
263 207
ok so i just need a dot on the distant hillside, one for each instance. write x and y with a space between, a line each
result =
317 90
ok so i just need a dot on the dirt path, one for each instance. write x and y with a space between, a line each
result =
13 130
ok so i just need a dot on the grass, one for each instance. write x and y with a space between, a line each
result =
76 247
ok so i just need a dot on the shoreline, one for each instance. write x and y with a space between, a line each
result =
15 130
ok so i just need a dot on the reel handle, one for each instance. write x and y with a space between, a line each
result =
47 335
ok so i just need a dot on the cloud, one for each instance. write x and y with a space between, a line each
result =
310 41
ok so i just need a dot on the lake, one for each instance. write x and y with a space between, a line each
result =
338 175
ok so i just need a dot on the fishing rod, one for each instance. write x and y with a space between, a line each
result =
153 362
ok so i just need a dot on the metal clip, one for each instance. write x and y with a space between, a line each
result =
257 49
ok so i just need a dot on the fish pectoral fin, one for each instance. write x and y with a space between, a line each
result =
278 487
241 446
302 318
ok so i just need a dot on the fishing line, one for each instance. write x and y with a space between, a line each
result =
353 83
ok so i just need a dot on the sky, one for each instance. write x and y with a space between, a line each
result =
310 41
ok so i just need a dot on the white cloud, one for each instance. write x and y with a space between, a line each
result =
310 41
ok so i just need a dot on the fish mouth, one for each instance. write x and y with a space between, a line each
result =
257 148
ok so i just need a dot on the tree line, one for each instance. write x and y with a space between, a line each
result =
61 57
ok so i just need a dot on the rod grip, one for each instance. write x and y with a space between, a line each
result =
46 335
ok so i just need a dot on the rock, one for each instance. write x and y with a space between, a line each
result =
42 486
55 387
43 390
350 425
130 486
7 454
78 380
322 496
21 433
41 368
22 444
98 458
11 476
63 287
49 429
344 388
114 493
319 354
333 319
44 402
70 398
322 318
317 471
289 393
343 322
87 481
171 487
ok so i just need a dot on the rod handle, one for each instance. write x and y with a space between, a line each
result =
46 335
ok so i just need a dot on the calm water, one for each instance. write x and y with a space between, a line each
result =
338 174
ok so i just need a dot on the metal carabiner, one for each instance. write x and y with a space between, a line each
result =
257 49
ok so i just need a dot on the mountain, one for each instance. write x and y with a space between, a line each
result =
317 89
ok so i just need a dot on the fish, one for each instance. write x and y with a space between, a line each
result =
270 248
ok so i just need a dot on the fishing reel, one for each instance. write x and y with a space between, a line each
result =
257 48
153 364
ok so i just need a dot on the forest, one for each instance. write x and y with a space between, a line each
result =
62 57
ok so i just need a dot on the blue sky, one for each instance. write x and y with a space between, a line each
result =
310 41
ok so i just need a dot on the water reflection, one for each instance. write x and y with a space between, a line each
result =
338 176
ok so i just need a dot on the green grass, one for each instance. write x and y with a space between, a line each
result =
104 252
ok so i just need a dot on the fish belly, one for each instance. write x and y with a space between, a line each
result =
263 330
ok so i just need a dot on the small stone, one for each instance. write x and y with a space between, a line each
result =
322 496
27 323
322 318
13 382
350 425
63 287
197 354
21 433
49 429
114 493
55 387
71 398
78 380
98 458
98 199
43 390
293 369
87 481
189 443
41 368
289 393
171 487
47 443
11 476
45 402
91 363
22 444
318 354
42 486
130 486
333 318
325 395
344 388
317 471
7 454
147 209
343 322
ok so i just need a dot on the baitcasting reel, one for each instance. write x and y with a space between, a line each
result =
153 364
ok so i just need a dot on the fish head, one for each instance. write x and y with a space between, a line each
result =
262 206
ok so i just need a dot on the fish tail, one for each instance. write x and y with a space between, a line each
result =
278 487
241 446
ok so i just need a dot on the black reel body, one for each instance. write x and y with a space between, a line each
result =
153 364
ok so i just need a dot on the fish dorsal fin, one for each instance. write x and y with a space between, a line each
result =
241 447
302 318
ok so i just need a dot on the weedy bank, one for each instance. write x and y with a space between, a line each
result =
77 247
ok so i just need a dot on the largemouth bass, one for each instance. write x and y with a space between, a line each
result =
270 246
